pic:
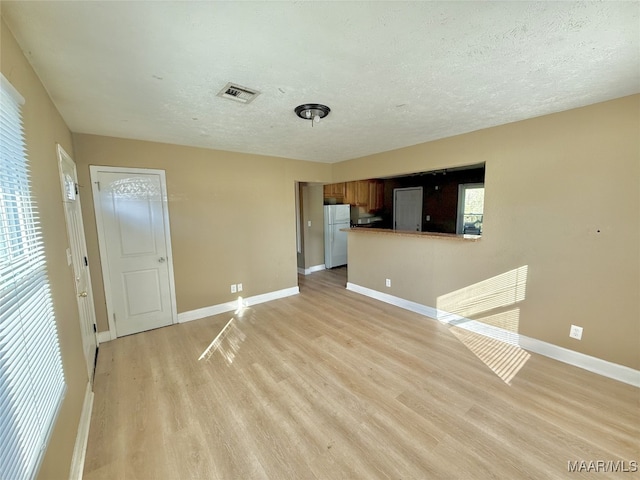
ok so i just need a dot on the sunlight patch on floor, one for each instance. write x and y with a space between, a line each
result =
494 337
504 359
227 342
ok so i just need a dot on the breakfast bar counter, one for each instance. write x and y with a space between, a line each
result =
407 233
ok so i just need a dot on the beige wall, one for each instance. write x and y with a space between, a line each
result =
44 128
232 216
562 198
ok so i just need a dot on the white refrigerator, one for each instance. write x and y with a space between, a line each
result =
336 218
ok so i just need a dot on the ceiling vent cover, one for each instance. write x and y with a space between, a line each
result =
237 93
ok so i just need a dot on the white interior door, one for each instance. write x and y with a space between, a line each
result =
407 209
135 248
77 256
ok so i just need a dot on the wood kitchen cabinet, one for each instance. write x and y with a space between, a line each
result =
357 193
350 195
376 195
362 193
335 190
368 194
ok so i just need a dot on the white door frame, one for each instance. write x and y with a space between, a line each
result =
78 246
106 279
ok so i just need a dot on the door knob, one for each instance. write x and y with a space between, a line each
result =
82 294
161 259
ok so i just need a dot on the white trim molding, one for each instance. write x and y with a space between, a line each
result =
593 364
104 337
233 305
310 270
82 437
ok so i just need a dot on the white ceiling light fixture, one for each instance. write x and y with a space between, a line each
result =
312 111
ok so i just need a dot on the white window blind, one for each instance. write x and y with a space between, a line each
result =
31 377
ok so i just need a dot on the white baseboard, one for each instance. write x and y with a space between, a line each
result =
397 301
82 437
310 270
104 337
571 357
593 364
229 306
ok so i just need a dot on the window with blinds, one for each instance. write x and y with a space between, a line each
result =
31 377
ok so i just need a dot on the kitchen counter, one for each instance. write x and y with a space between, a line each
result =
405 233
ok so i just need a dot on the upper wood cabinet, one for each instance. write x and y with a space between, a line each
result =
362 193
368 194
350 194
334 190
376 195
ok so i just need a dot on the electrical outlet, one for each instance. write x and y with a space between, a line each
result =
233 288
239 287
575 332
387 282
428 218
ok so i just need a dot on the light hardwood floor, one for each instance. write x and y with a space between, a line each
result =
329 384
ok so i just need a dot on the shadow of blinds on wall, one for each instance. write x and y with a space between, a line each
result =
31 378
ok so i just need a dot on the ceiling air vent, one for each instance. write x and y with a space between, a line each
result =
238 93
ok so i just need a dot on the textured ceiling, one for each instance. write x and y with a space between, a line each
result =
394 73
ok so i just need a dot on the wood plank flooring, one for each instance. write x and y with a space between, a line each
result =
330 384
